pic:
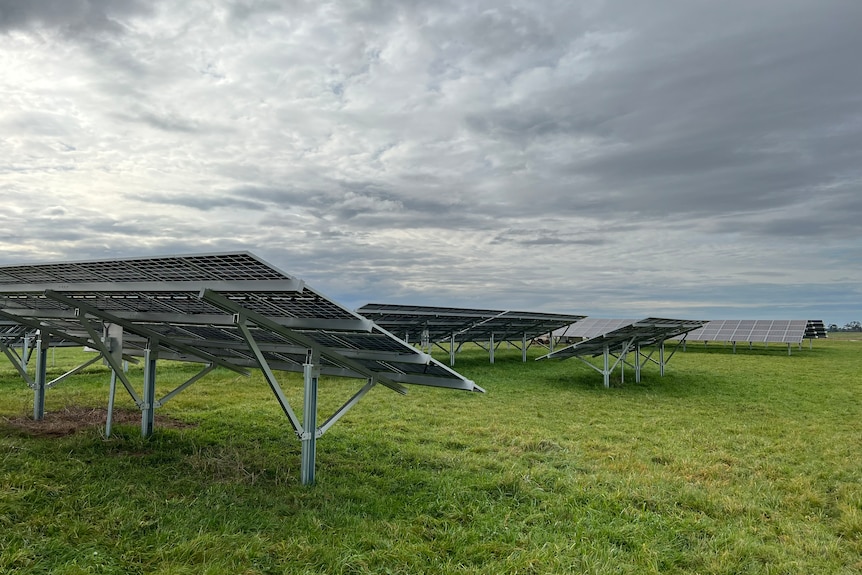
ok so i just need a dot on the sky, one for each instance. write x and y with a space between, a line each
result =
680 158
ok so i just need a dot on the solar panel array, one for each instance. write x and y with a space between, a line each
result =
592 327
815 329
188 304
205 267
230 310
643 332
752 331
441 324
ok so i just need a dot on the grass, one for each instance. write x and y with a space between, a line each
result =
731 463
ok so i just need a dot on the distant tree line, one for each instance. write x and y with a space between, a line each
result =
851 326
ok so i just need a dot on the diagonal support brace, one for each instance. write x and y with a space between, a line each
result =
268 374
17 363
98 343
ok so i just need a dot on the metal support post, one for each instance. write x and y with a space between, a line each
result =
148 403
25 351
452 350
661 358
311 373
638 363
622 362
491 347
524 348
606 371
112 393
42 344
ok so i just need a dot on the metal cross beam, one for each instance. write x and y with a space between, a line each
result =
266 323
142 331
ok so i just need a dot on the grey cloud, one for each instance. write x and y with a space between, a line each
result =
701 125
362 204
166 122
801 227
242 10
201 202
502 32
420 150
525 124
71 17
837 215
287 196
38 123
549 237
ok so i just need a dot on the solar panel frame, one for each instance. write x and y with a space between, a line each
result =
161 291
815 328
232 310
592 327
643 332
751 331
463 325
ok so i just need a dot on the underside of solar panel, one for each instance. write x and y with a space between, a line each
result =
189 305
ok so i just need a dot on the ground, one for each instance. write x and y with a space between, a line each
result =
72 419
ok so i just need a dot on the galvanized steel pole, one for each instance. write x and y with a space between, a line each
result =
311 373
41 376
148 400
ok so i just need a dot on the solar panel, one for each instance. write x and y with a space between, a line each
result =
465 324
232 310
160 292
592 327
752 331
643 332
815 328
435 325
628 336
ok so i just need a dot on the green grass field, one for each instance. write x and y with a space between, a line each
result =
731 463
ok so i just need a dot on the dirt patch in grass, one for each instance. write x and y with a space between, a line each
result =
72 419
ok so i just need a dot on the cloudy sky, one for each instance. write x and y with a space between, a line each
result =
679 158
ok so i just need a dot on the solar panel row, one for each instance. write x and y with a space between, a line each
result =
815 329
232 310
164 295
617 332
237 311
754 331
592 327
440 324
619 338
